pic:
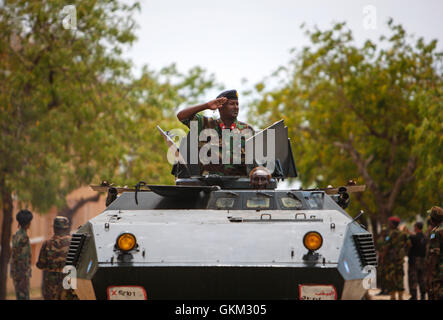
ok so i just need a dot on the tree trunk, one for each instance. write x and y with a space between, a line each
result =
70 212
384 214
385 201
6 237
374 226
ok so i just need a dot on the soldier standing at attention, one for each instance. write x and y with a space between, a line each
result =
379 246
436 253
52 260
227 105
394 252
21 256
416 262
428 275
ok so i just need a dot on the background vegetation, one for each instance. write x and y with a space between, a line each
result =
72 113
372 113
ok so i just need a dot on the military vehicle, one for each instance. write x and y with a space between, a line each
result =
214 237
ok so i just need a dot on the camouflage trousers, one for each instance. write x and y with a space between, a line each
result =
393 277
21 285
416 275
381 280
436 290
53 287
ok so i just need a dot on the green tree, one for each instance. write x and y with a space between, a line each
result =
71 113
57 89
157 95
372 112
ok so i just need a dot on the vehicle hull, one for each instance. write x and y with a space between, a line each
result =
216 282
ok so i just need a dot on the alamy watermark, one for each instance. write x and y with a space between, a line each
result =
70 17
205 147
70 280
370 280
370 17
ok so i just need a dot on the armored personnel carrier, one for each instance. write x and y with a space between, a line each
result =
214 237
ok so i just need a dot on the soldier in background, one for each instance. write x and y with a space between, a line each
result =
435 254
416 262
52 260
379 246
394 251
428 273
21 256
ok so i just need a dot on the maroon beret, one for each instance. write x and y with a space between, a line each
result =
395 219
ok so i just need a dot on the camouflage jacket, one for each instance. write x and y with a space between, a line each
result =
21 254
53 253
380 241
220 168
435 252
395 246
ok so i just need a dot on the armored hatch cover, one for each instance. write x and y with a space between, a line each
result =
284 160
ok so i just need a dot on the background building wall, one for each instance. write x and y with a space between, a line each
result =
41 230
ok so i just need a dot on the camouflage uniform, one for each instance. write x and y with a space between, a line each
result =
417 265
52 260
396 244
21 264
380 245
428 272
436 255
216 124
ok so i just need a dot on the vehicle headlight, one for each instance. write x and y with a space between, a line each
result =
126 241
312 240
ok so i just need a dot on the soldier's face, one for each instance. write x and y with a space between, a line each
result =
393 225
259 180
230 109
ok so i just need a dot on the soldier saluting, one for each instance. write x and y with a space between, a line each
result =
227 105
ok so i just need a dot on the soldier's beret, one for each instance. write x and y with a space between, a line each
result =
230 94
394 219
61 222
437 214
24 217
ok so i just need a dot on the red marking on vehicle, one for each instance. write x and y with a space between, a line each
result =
322 293
114 292
332 293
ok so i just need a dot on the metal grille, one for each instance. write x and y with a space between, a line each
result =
75 249
366 249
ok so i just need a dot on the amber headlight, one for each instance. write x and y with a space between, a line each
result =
126 241
312 240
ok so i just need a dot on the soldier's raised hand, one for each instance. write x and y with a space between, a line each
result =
217 103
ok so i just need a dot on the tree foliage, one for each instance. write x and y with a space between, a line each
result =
60 111
156 96
71 113
372 112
